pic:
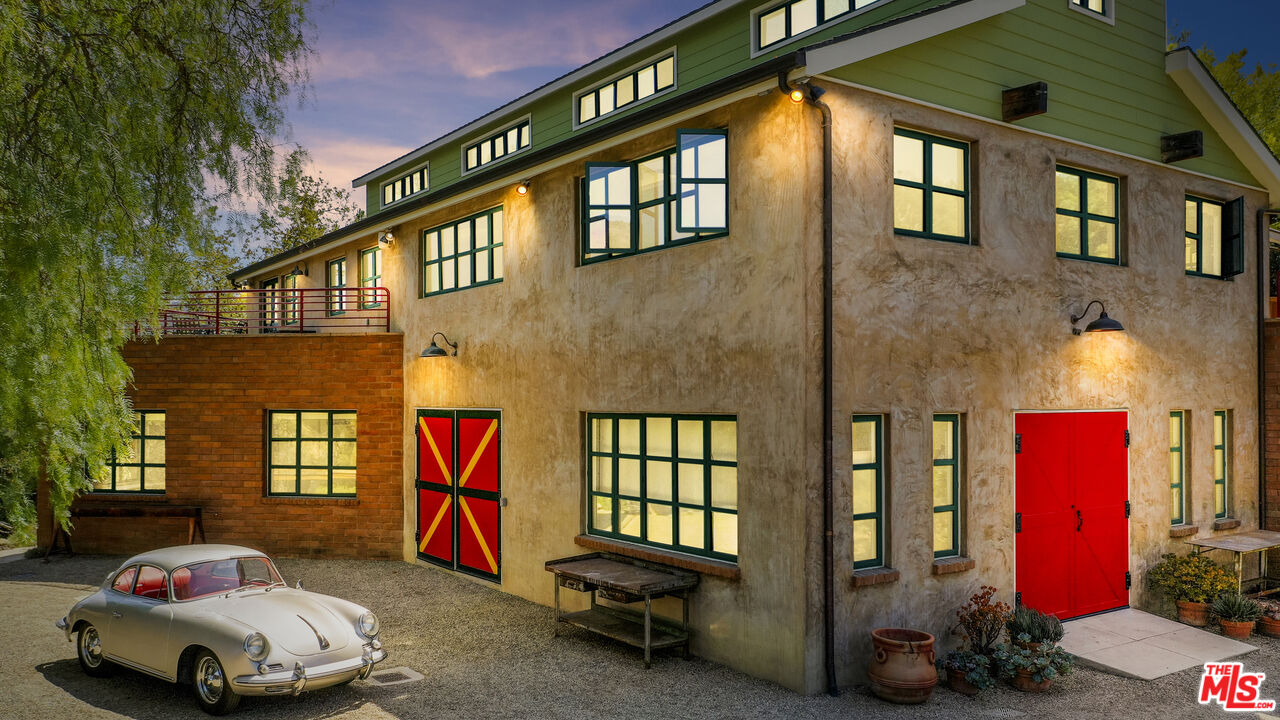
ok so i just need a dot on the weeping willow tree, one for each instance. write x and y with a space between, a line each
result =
122 124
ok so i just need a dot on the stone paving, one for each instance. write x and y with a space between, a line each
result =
1135 644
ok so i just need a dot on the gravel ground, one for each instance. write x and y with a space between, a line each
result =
488 654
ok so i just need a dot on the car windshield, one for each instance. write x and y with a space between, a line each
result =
220 576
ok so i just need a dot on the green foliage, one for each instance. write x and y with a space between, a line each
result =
1236 608
121 126
1191 578
1035 624
1045 662
302 209
975 666
981 621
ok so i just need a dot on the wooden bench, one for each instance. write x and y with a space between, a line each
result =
193 514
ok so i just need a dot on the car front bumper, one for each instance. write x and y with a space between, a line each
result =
301 677
64 626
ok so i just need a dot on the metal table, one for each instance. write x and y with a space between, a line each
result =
625 580
1240 545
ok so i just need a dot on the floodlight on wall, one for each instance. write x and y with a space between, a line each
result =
1102 324
523 188
433 350
386 237
797 96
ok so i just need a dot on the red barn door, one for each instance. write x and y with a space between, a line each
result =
459 490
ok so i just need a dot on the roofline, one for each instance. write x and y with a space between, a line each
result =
1198 84
641 43
580 139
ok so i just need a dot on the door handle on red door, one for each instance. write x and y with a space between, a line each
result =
1079 521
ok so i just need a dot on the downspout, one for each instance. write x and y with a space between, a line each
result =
812 95
1264 293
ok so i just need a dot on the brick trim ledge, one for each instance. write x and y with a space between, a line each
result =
949 565
704 566
1226 524
875 576
1184 530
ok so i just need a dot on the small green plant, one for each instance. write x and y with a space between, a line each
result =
1039 627
1235 607
1191 578
981 621
976 667
1044 662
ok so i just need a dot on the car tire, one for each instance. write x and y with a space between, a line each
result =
89 652
211 686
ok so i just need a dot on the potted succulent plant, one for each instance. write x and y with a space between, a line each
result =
1031 669
1192 582
1269 623
1236 614
968 673
981 620
1037 627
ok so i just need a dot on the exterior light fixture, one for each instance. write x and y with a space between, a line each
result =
299 269
1102 324
523 188
433 350
386 237
797 96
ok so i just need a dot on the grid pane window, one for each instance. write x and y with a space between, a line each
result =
1096 6
497 146
1221 462
795 17
463 253
1204 237
703 169
405 186
946 485
930 186
312 452
141 466
292 300
665 480
271 314
1088 215
370 275
634 87
1177 467
336 277
868 491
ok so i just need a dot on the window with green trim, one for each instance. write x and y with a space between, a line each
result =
1097 7
1177 467
1088 215
291 300
654 77
370 275
669 481
634 207
463 253
1204 237
271 302
406 186
312 452
496 146
336 277
779 22
930 186
868 491
141 467
1221 462
946 485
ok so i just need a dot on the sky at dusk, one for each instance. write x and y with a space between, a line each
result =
390 75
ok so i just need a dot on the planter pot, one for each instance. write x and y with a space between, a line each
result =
1193 613
1237 630
956 681
902 669
1032 646
1022 680
1269 626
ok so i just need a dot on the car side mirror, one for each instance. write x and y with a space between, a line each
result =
298 584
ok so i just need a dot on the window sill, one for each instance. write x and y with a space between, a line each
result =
114 496
311 500
875 576
952 565
1226 524
1184 530
706 566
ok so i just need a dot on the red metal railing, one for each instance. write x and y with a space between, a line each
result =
256 312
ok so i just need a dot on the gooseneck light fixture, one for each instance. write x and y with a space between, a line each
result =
433 350
1102 324
523 188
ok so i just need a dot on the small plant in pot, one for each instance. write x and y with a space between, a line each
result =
967 672
1031 668
981 620
1192 582
1037 627
1237 615
1269 623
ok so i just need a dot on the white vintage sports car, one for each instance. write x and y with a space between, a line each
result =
219 617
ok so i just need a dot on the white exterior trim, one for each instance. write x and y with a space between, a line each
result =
1204 92
860 47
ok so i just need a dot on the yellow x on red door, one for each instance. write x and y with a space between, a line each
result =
459 490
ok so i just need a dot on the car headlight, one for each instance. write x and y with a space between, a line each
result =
256 646
367 625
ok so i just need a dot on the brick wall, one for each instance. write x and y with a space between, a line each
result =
216 392
1271 425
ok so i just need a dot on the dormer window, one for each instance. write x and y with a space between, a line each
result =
405 186
776 23
497 146
654 76
1098 9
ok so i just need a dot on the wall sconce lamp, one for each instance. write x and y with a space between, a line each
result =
386 237
433 350
1102 324
299 269
796 95
523 188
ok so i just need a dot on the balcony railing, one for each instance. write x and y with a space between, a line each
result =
258 312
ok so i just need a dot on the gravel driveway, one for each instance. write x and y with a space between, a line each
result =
488 654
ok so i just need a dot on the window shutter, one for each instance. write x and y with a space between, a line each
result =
1233 238
608 193
702 169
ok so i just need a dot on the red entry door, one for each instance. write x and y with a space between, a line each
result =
459 490
1072 525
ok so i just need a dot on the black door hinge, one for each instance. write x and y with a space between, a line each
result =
1126 438
417 536
1017 444
1127 509
1017 522
1128 580
1017 599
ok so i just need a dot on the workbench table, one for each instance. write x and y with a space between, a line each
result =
1240 545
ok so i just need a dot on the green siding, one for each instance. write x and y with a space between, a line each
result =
1107 84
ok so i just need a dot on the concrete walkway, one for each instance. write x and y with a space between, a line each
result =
1135 644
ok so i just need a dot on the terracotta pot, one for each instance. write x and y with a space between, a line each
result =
956 681
1032 646
902 669
1193 613
1022 680
1236 629
1269 626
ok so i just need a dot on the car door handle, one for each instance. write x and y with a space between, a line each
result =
115 614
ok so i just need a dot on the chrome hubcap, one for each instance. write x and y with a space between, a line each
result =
209 680
91 647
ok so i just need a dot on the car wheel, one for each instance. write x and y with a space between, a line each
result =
212 686
89 652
